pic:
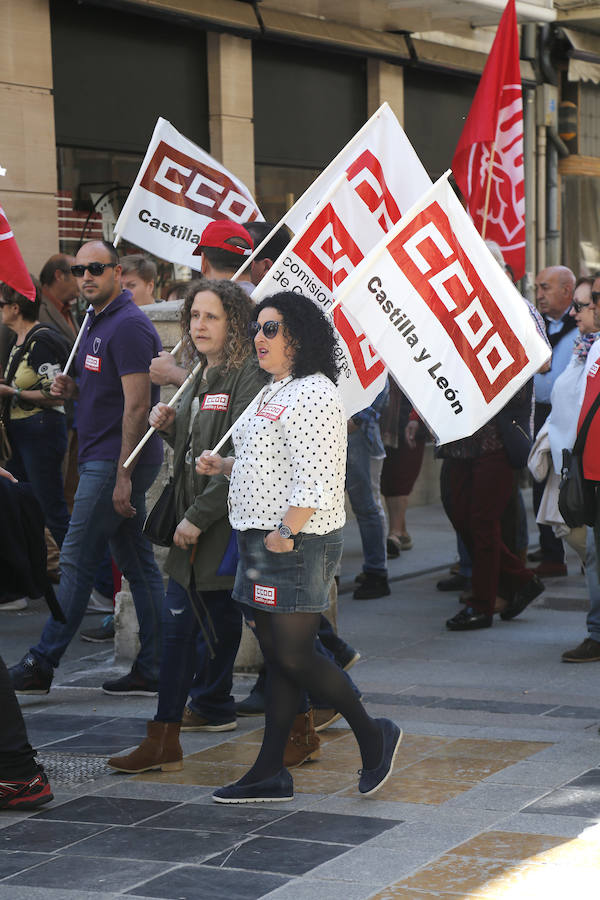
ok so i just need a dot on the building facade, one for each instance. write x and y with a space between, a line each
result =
274 89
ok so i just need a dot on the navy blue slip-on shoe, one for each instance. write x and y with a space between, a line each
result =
373 779
276 789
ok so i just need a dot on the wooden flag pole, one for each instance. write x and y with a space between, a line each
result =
171 402
487 190
77 341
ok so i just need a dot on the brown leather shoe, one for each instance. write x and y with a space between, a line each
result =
159 750
303 743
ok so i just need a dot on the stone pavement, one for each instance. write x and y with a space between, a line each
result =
496 792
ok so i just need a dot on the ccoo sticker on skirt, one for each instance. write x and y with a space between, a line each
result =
265 595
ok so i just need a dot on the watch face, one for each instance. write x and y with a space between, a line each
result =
285 531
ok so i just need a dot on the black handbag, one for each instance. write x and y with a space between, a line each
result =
161 521
576 495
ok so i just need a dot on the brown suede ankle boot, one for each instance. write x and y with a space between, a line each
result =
303 743
160 750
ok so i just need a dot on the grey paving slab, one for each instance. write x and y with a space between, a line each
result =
284 857
307 889
85 874
507 797
201 882
375 866
121 842
546 823
126 787
26 892
535 774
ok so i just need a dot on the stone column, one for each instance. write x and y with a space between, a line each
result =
27 126
385 82
231 110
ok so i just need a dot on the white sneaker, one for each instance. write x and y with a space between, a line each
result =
98 603
19 603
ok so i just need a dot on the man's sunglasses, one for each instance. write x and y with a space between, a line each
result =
269 329
595 297
94 268
579 306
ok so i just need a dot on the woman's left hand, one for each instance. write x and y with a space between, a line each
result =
186 534
276 544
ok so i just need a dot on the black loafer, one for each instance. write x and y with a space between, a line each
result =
523 597
278 788
469 619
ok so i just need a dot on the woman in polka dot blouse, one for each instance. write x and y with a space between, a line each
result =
286 500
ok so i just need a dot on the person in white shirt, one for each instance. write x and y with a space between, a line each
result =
286 500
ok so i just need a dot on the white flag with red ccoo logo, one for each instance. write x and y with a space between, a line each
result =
178 190
449 324
373 181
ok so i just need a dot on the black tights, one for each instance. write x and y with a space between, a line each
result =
287 641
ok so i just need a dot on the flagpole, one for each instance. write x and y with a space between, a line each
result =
487 190
171 403
311 187
77 340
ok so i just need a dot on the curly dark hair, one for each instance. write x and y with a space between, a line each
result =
309 332
239 310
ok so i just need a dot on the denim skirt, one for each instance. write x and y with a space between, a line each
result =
296 581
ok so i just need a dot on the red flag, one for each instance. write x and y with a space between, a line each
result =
13 270
488 161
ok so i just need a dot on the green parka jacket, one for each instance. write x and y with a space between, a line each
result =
201 499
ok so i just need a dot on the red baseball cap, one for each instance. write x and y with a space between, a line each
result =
218 234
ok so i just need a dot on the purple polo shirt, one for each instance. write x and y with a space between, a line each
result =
121 340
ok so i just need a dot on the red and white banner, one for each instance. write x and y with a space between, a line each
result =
177 192
488 161
379 178
13 270
450 326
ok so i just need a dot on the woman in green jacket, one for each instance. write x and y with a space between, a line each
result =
215 319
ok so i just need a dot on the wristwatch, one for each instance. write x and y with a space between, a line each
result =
285 531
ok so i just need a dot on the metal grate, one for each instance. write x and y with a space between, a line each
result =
64 768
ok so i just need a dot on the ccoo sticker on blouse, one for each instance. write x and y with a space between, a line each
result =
219 402
271 411
265 595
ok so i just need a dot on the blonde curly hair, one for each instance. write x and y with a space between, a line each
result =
239 310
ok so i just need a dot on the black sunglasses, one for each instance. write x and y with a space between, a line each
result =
94 268
579 306
595 297
269 329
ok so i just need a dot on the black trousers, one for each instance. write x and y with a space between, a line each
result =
17 758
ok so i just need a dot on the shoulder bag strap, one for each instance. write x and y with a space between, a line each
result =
585 427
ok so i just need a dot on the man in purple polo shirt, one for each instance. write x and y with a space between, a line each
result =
114 395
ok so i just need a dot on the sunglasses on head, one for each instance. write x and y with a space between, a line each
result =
269 329
579 306
94 268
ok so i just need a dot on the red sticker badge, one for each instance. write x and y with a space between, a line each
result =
217 402
271 411
265 595
92 363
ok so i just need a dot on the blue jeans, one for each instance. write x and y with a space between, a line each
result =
185 653
39 443
369 513
593 586
93 522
